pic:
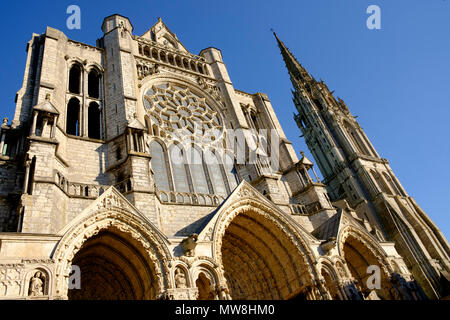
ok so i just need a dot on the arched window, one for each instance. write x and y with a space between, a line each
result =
200 69
197 168
155 54
73 117
94 84
75 79
159 166
162 54
230 171
214 165
170 59
146 51
178 61
193 68
94 118
179 168
185 63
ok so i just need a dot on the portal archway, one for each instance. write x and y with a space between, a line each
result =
113 266
360 253
261 257
131 246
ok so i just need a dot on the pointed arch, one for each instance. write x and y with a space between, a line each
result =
108 231
75 78
197 168
263 255
94 79
73 117
360 250
179 166
94 121
155 54
159 164
147 51
216 172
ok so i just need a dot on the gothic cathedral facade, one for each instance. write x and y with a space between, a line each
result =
118 182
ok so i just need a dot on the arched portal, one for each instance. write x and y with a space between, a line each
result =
263 260
109 242
113 266
360 255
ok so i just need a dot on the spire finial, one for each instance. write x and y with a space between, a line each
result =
295 69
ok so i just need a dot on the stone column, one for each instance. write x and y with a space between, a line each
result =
53 132
315 174
308 176
27 176
33 126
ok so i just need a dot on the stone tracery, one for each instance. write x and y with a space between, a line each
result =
249 249
180 114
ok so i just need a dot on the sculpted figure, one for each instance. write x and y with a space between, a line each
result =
189 245
180 278
36 285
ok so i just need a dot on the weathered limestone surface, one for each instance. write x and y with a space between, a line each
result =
89 182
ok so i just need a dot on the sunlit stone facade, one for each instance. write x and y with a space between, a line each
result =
106 167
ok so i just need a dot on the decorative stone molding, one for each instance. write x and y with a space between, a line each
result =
369 242
110 211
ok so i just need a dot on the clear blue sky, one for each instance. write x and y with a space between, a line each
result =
396 80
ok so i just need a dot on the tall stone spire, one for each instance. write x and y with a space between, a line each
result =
353 170
295 69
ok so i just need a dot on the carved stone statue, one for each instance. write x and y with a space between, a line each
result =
189 245
180 278
36 285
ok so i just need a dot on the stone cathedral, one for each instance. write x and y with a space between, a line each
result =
100 198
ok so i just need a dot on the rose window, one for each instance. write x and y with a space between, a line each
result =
180 114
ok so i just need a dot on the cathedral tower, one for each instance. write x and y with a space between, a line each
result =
354 171
121 163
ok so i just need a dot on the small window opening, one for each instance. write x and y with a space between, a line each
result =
73 117
75 79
